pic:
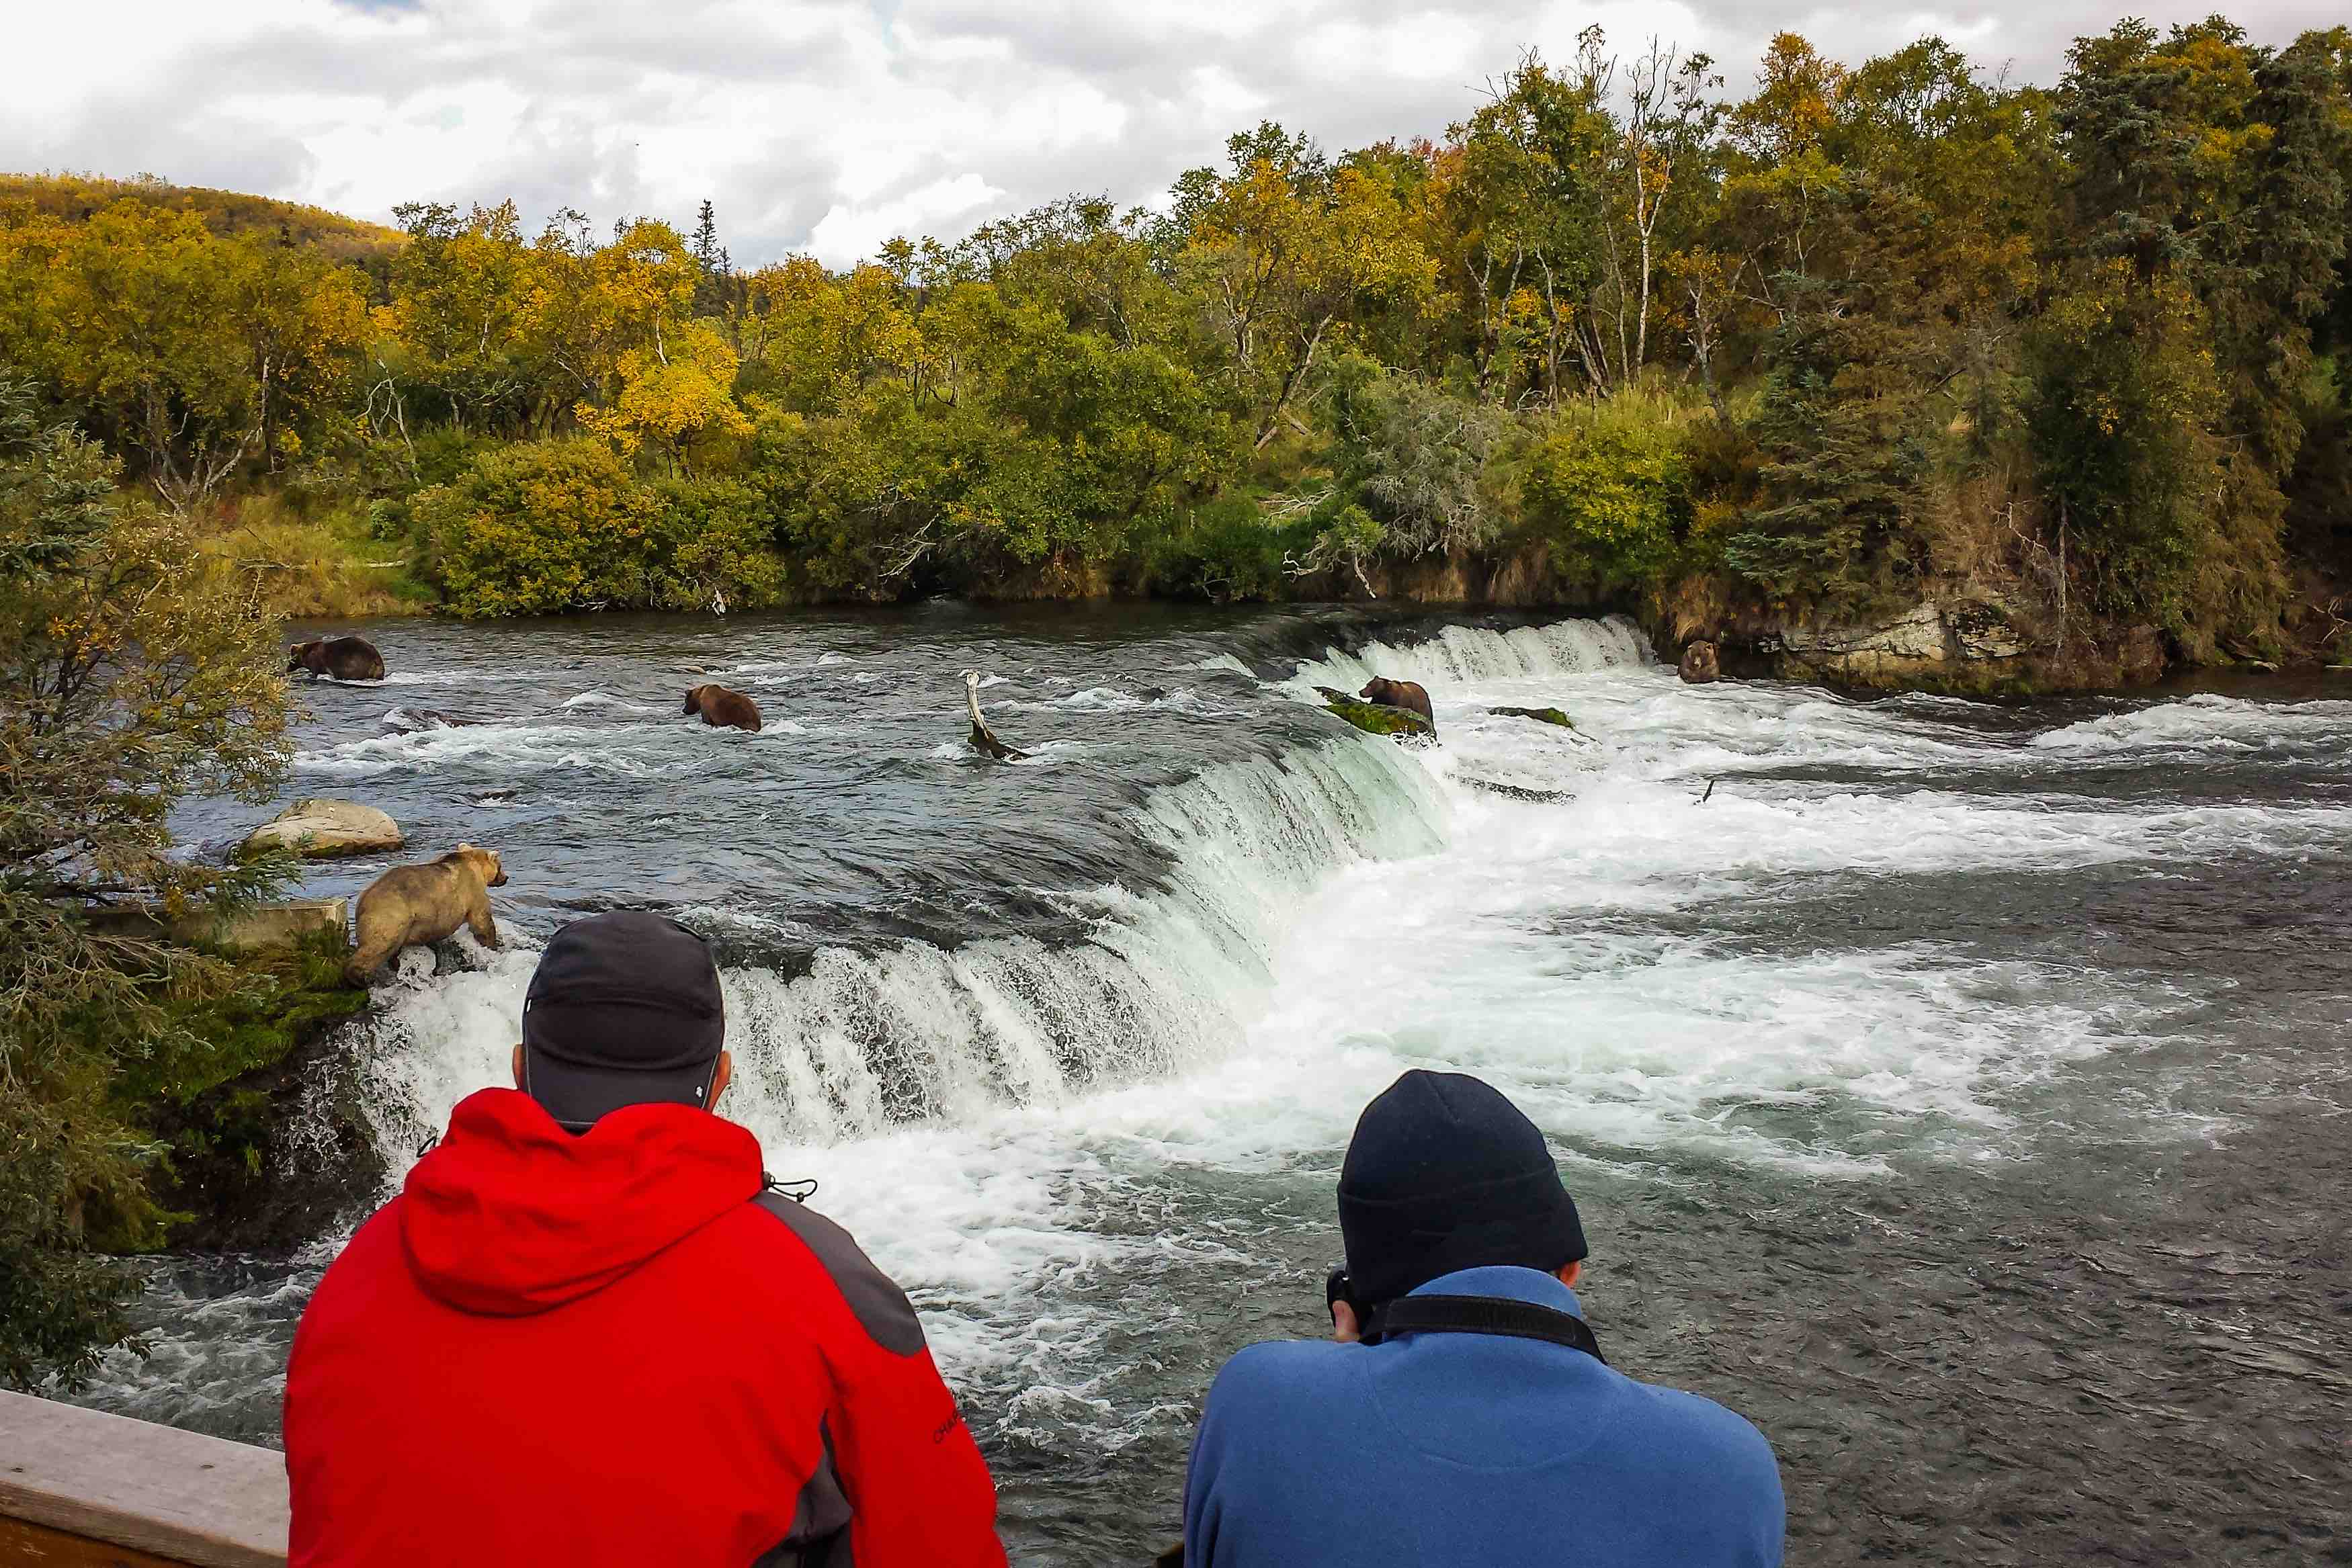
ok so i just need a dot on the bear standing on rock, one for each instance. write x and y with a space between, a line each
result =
1406 694
417 905
723 709
345 658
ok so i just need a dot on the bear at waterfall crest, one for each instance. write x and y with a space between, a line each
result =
417 906
723 709
1406 694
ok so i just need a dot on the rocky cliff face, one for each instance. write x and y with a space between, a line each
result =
1972 644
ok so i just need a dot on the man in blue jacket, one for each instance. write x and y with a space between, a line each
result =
1466 1417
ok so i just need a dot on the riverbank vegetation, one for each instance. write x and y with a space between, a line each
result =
1860 337
135 668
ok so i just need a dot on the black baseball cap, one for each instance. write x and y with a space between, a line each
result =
1444 1172
624 1009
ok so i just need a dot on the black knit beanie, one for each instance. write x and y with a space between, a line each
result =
1445 1173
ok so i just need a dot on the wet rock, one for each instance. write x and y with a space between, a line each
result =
1982 629
1976 642
2143 655
322 830
1917 633
1701 664
401 721
1540 714
280 927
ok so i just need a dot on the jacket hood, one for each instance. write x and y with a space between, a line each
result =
511 1215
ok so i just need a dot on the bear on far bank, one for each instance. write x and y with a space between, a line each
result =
723 709
1406 694
417 906
345 658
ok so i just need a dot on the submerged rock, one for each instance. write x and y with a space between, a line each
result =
1377 719
1701 663
1540 714
319 829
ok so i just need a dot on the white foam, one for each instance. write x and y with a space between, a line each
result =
1463 657
630 749
2206 722
597 699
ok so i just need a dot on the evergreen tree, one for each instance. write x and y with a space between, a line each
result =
714 285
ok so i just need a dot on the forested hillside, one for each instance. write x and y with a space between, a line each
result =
1738 356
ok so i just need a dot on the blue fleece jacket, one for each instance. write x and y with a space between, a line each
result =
1455 1450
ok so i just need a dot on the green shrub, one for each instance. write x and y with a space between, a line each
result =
714 548
565 525
1609 489
1226 551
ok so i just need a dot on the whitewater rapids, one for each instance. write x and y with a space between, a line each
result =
1077 1071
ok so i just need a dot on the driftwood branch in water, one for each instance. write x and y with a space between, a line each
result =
983 739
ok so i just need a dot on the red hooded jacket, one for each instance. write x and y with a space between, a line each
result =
618 1348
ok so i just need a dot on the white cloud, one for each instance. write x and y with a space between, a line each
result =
943 206
831 124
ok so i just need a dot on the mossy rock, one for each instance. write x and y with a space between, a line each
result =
1540 714
1377 719
219 1103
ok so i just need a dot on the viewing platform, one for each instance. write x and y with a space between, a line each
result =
80 1489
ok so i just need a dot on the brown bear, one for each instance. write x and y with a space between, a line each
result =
345 658
721 708
1406 694
1700 664
415 905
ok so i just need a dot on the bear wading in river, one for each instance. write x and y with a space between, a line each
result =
417 906
345 658
722 708
1406 694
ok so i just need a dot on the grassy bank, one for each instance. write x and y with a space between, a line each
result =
316 562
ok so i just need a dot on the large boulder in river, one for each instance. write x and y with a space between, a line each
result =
320 830
1701 664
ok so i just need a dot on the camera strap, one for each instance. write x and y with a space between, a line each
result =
1482 1314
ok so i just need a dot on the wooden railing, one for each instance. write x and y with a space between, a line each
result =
82 1490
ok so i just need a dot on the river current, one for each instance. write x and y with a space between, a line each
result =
1960 1091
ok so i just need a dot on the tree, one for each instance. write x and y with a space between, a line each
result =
587 305
2224 164
1843 454
1516 194
1794 104
826 336
1284 251
673 394
714 283
459 295
193 350
1661 133
2125 396
133 672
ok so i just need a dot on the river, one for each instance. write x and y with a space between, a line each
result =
1957 1091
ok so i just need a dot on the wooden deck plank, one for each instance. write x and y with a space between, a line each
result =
177 1497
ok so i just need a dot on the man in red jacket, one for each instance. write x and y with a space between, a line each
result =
587 1331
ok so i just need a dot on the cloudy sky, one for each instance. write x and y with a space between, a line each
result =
830 127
